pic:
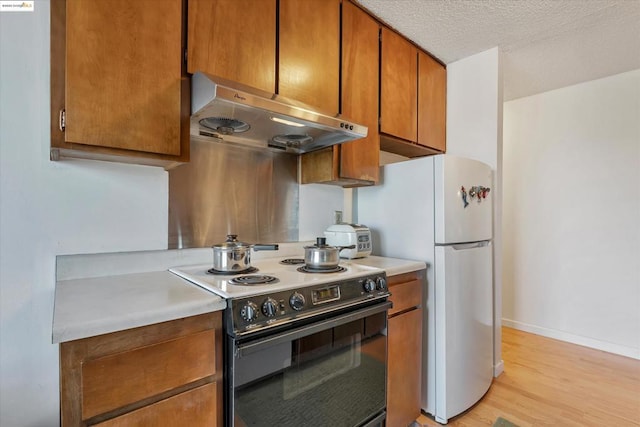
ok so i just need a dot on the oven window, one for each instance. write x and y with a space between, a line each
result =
335 377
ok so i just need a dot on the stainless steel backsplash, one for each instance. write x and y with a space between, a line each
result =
227 189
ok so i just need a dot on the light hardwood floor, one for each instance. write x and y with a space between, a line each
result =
552 383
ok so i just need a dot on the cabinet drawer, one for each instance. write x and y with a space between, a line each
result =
405 295
195 407
119 379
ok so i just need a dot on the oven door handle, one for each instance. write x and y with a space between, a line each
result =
248 348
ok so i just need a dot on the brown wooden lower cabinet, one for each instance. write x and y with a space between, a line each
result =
167 374
404 349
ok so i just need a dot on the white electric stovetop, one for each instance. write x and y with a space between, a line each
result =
288 277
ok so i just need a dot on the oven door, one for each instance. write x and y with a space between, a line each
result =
327 373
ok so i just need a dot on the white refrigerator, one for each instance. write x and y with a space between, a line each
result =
438 209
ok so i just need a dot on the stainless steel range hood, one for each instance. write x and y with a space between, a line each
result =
223 111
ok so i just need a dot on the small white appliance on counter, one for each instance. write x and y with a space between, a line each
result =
350 234
439 210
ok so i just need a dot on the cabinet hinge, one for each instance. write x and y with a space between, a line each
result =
62 120
185 56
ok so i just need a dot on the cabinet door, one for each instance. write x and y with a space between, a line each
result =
432 99
405 368
234 40
360 76
123 74
309 52
398 87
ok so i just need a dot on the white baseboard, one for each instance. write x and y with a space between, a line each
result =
621 350
498 369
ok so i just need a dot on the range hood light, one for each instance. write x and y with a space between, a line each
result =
287 122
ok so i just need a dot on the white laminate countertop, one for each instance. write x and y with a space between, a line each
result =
392 266
103 293
100 305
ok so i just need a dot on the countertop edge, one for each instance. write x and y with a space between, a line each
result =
92 329
392 266
394 271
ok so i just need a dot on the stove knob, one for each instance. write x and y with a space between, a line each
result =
249 312
369 285
297 301
381 283
270 307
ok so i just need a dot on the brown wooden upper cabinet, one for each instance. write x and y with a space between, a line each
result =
353 163
119 89
432 101
398 87
412 99
234 40
309 53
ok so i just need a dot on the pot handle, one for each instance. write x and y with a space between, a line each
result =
340 248
260 247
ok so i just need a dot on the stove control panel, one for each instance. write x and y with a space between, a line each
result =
254 313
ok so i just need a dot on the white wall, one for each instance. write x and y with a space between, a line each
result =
474 107
49 208
572 214
318 203
474 130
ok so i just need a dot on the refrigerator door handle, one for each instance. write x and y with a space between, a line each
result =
463 246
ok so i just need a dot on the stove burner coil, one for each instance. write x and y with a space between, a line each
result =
254 279
232 273
292 261
306 269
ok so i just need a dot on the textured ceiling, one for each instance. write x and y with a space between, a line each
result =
545 44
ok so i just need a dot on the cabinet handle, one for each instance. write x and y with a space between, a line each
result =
61 120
